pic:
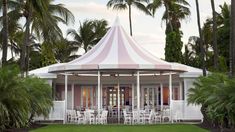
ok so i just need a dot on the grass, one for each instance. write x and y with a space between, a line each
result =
120 128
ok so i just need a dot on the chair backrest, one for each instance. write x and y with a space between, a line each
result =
166 112
135 114
79 114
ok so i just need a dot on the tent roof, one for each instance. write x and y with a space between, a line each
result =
43 71
117 51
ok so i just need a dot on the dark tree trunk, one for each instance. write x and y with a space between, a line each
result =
130 21
25 46
28 45
206 122
232 39
201 40
4 33
168 21
214 36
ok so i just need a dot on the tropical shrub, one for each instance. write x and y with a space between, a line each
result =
216 94
21 97
14 101
40 96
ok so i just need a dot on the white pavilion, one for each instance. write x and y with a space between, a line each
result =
116 74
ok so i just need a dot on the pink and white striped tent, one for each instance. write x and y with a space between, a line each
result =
117 50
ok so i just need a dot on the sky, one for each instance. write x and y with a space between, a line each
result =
148 31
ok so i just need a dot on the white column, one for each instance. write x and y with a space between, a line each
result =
133 96
65 94
138 90
147 99
72 96
153 97
99 97
170 94
142 96
118 99
161 86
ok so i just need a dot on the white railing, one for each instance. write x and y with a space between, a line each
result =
57 112
183 111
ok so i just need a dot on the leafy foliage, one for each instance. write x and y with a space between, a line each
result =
14 108
223 33
89 33
21 97
216 94
173 47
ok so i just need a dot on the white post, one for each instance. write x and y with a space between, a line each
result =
133 97
170 95
138 91
153 97
65 95
118 100
147 99
99 97
72 96
161 96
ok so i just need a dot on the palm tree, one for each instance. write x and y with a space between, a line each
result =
127 4
201 39
42 18
5 32
65 50
232 39
175 10
89 33
214 35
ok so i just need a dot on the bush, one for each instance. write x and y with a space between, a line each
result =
21 97
216 94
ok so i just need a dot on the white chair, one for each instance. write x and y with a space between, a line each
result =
91 116
142 114
166 115
157 117
71 115
127 117
104 117
149 117
135 117
80 118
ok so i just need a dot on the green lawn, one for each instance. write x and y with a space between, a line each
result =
120 128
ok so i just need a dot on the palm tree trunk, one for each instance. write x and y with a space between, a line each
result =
215 48
28 44
5 33
232 39
201 40
25 45
130 20
168 21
